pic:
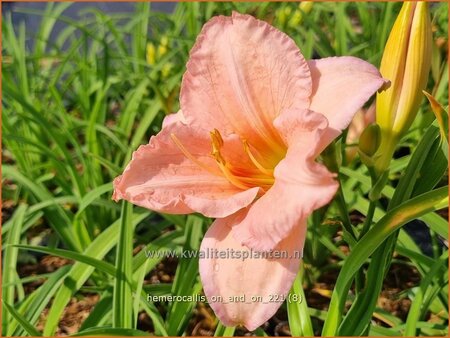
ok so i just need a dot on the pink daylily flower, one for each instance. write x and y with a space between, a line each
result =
254 117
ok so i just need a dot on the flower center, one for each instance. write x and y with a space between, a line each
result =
243 178
244 175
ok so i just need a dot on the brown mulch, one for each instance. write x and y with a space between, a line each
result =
46 264
73 316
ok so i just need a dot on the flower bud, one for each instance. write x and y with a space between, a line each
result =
306 6
406 63
150 53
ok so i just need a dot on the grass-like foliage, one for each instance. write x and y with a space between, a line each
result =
76 105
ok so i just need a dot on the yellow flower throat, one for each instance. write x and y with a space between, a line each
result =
241 177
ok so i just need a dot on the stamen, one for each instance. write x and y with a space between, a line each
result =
265 181
236 181
217 143
254 161
237 176
189 155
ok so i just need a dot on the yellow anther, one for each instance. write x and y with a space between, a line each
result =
217 138
217 143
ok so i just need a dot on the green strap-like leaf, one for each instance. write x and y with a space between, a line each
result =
224 331
393 220
186 279
109 331
31 330
297 308
415 310
122 296
98 264
32 308
80 272
10 260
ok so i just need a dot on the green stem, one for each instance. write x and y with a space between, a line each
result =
349 234
359 279
368 220
329 156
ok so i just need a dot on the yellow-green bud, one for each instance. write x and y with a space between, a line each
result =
151 53
306 6
165 71
163 44
406 63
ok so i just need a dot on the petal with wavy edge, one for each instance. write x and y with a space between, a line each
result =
172 118
237 280
241 74
301 184
161 178
341 86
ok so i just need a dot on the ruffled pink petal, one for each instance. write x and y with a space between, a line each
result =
341 86
301 185
172 118
161 178
240 281
241 74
